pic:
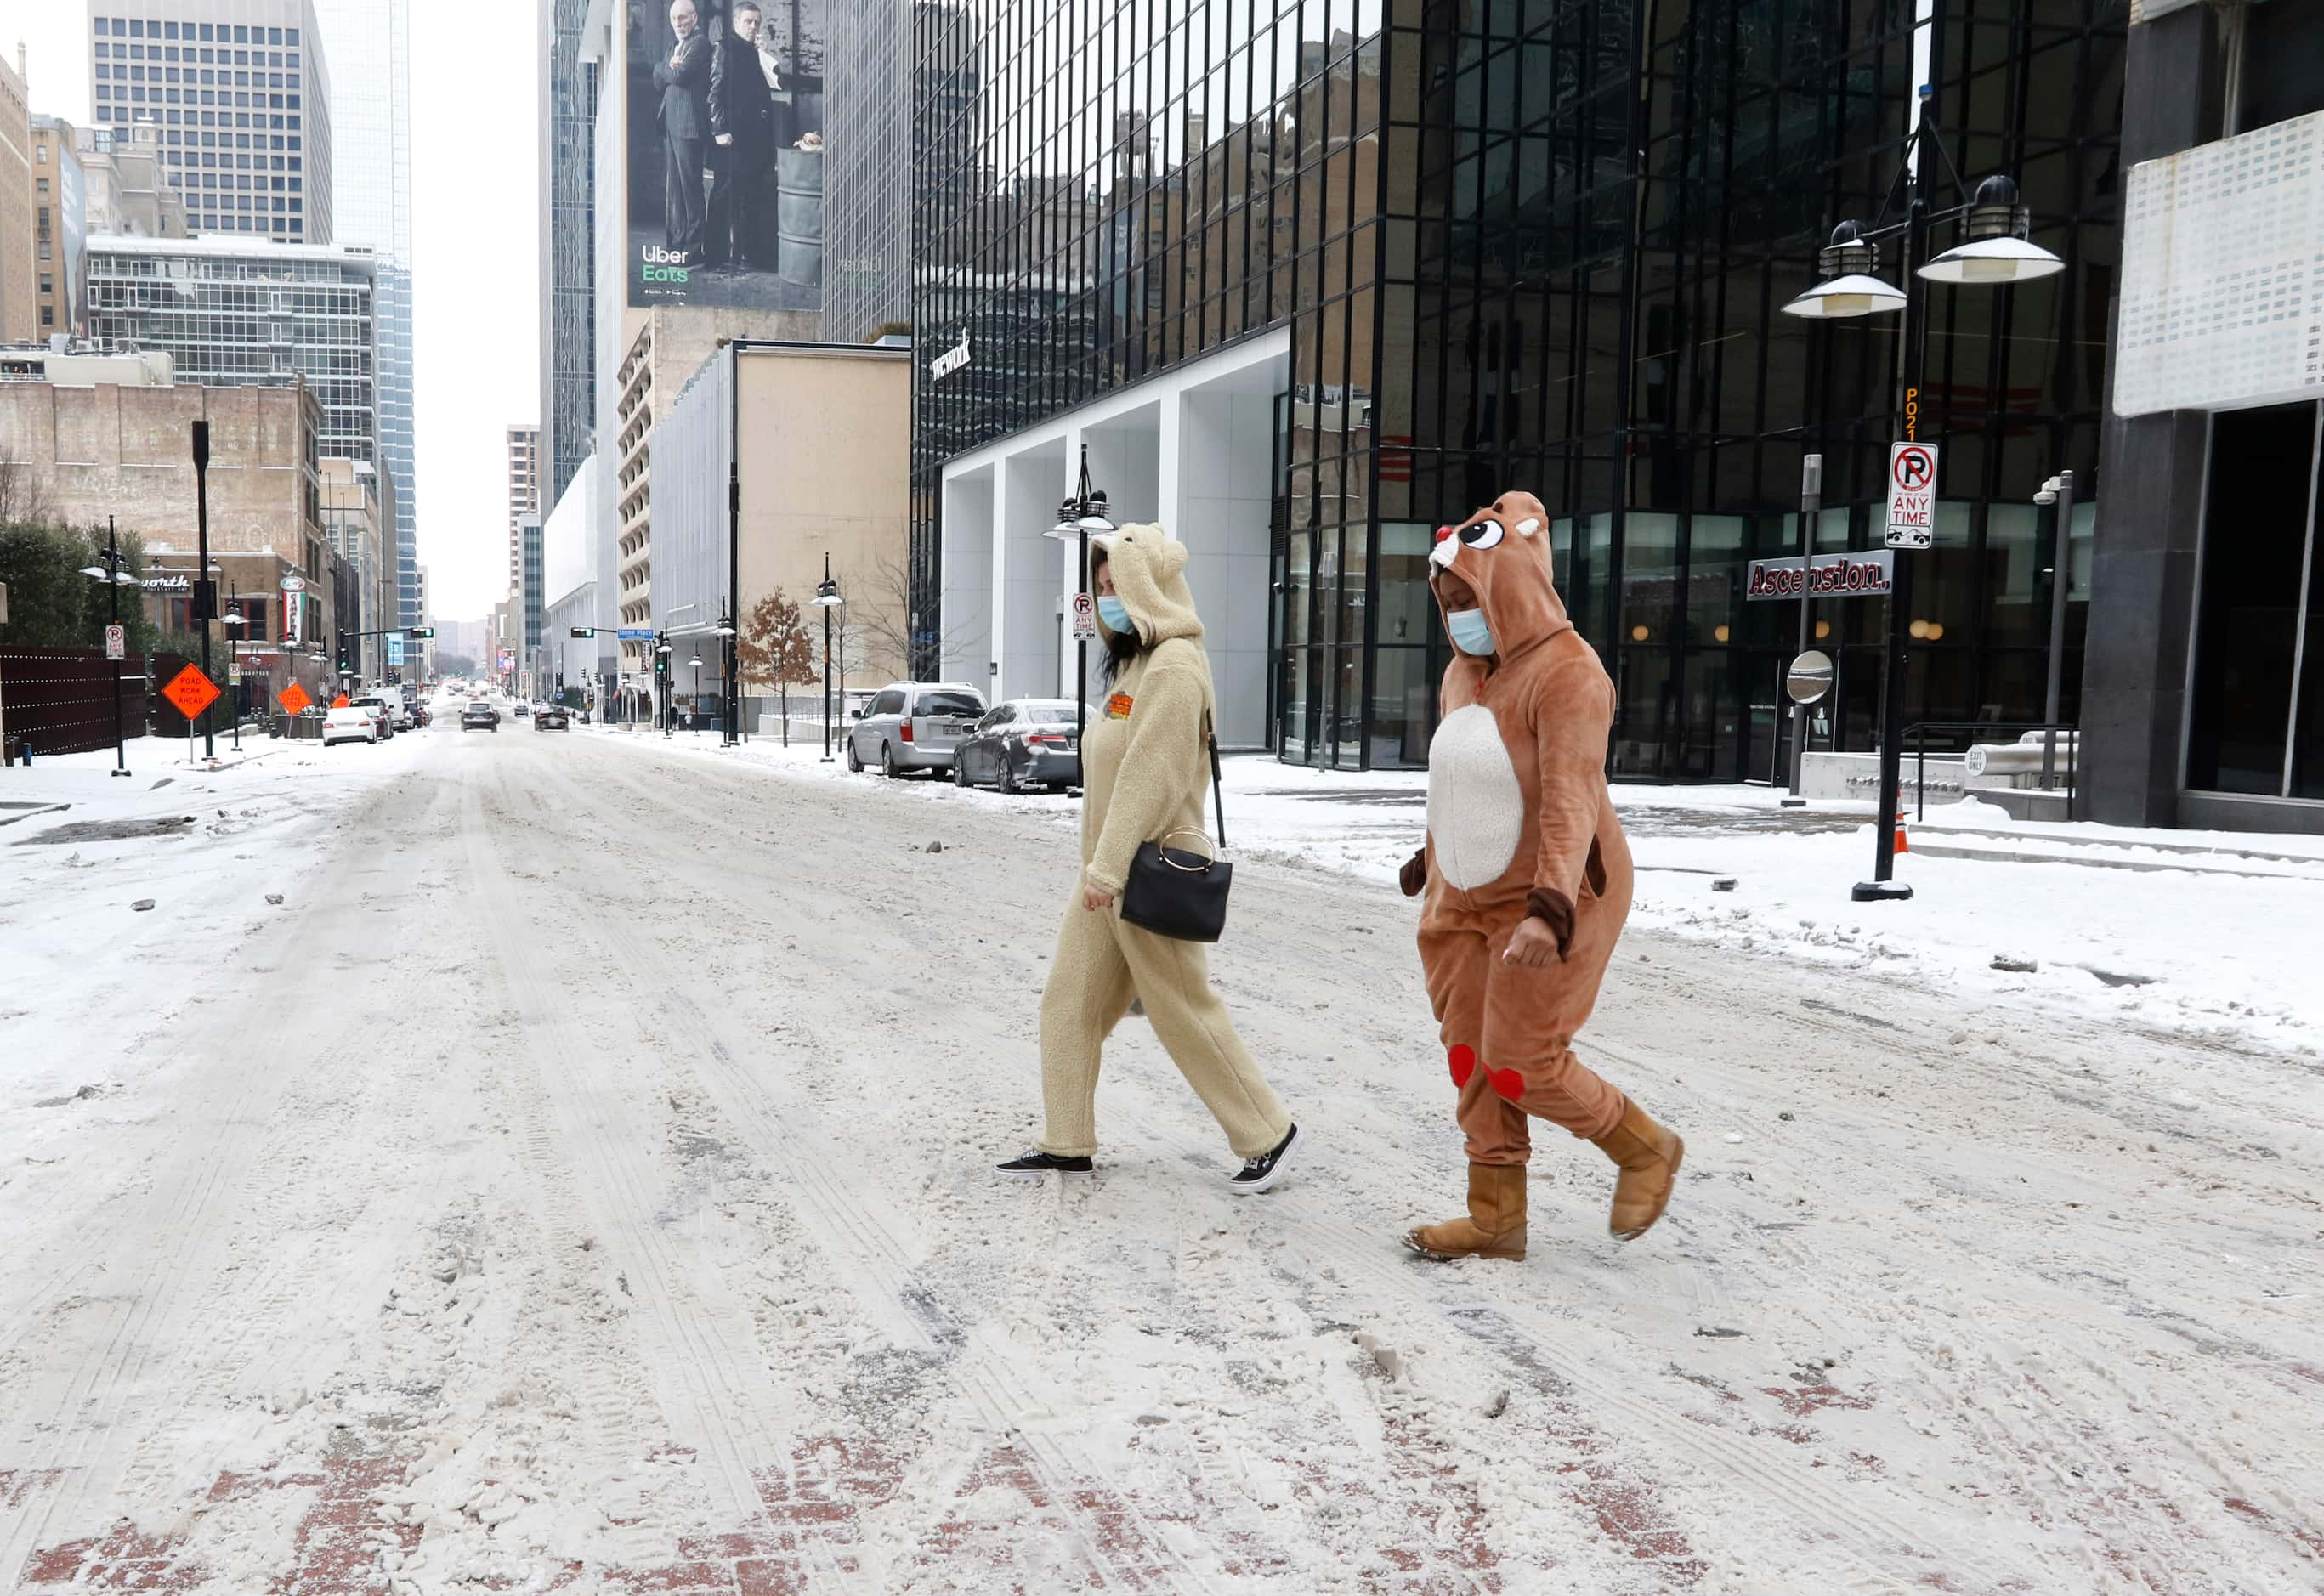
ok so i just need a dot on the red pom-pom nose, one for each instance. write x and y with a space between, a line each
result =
1463 1060
1442 533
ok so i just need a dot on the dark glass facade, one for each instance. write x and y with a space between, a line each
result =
1540 246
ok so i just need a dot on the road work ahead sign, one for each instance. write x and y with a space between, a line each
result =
1912 496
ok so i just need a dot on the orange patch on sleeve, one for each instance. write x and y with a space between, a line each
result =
1118 707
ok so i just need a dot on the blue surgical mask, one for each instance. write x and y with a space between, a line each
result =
1113 613
1470 634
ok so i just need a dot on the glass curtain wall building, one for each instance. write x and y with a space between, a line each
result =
1541 246
368 43
867 183
569 297
234 315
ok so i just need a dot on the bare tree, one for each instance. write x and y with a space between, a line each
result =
24 500
895 628
775 649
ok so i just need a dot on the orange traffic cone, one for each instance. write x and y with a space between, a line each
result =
1904 845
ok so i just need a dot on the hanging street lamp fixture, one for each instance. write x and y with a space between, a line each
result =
1994 251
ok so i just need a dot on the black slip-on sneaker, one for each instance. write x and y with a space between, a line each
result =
1260 1173
1034 1164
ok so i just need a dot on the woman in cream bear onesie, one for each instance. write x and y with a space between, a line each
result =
1145 773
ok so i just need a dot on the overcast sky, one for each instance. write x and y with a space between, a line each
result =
475 189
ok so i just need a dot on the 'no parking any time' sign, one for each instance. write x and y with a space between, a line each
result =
1912 496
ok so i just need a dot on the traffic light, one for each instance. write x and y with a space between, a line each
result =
585 631
419 631
661 663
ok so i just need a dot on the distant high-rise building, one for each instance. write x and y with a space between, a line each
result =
868 173
523 496
18 208
240 94
61 206
569 181
368 43
128 186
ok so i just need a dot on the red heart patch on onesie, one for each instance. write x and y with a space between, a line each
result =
1509 1084
1463 1060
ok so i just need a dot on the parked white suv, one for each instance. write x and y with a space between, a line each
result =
913 726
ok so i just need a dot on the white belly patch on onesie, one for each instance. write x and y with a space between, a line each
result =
1476 809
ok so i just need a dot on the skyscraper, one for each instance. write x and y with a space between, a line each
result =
523 496
868 173
240 92
568 179
369 45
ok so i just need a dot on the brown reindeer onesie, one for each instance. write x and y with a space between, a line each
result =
1521 829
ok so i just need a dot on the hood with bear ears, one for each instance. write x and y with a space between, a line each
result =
1502 551
1149 577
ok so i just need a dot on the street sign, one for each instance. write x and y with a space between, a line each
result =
1912 496
635 634
190 691
1085 617
1809 678
294 583
234 673
1830 576
117 642
294 699
395 648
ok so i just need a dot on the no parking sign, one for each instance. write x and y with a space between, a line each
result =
1912 496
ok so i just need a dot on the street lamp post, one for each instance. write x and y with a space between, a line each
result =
1995 251
1810 512
205 587
111 575
2058 491
732 651
695 709
826 599
1085 512
234 623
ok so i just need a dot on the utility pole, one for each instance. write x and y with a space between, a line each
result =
1811 512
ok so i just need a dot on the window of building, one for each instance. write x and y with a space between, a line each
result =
2281 73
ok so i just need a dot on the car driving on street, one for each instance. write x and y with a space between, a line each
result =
552 718
1022 743
913 726
479 716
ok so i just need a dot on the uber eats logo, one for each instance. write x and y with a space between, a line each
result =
657 265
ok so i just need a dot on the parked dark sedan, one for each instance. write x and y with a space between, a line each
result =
551 719
1022 743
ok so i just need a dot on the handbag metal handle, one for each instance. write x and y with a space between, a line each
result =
1161 848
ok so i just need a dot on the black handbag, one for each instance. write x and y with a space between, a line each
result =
1174 892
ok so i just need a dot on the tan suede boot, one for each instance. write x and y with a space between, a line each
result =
1495 1224
1649 1157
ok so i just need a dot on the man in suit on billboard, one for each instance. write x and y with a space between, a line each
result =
743 148
685 83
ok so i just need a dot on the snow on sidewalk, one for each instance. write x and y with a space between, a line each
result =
2126 923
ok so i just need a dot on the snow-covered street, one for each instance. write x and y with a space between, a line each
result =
581 1181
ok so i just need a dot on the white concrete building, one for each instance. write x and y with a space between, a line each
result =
1191 448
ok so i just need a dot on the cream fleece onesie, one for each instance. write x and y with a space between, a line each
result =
1145 773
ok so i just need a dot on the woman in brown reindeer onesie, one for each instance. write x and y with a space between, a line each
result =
1528 877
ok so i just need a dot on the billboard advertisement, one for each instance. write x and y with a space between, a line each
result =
726 153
